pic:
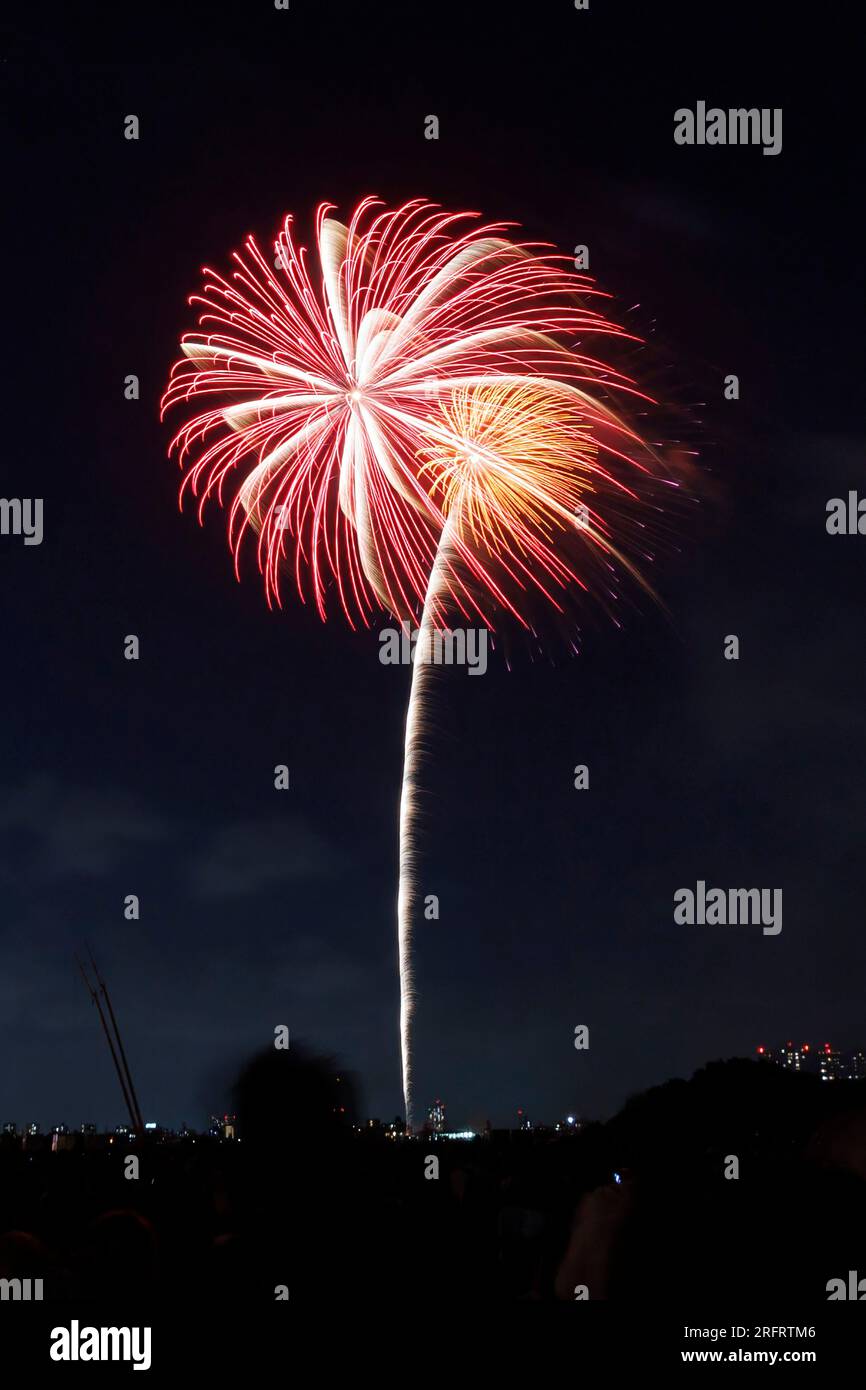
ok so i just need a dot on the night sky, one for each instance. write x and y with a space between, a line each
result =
156 777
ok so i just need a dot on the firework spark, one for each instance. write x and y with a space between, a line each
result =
414 428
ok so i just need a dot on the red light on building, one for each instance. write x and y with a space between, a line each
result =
760 1049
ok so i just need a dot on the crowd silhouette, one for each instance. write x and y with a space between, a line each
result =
638 1209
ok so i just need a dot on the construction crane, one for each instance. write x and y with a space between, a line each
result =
118 1054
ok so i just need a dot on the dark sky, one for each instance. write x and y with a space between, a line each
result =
156 777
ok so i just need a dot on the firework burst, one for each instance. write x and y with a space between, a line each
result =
412 424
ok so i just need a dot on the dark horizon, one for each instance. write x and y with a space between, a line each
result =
524 1105
846 1066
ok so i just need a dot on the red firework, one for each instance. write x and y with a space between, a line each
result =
343 398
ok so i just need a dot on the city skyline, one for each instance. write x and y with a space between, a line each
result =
824 1060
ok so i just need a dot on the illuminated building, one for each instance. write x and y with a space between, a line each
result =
793 1057
436 1116
831 1064
223 1127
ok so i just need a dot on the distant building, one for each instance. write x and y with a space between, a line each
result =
792 1056
61 1139
436 1116
829 1063
223 1127
230 1125
795 1058
10 1129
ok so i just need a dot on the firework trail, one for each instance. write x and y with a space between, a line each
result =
414 747
417 421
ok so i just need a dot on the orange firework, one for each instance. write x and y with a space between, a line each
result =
515 466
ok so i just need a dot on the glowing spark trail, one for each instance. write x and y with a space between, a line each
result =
413 751
415 430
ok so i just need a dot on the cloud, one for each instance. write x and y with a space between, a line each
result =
51 830
73 830
254 855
